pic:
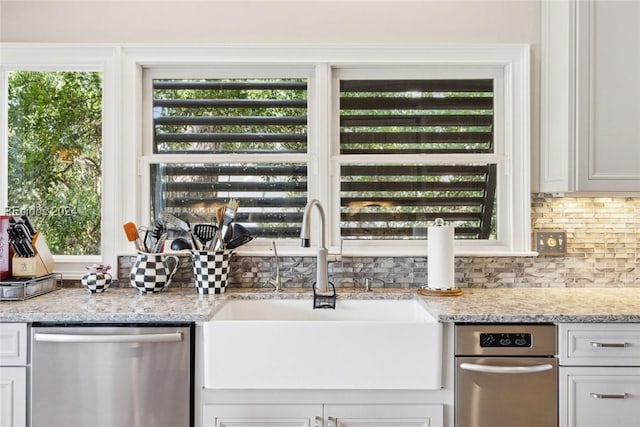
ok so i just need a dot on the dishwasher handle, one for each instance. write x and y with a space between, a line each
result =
108 338
490 369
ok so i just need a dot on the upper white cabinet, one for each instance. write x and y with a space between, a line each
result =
590 96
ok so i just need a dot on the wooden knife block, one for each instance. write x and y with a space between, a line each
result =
36 266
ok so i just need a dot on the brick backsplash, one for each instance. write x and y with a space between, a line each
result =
603 249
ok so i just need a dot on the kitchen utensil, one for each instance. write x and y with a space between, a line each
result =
237 236
145 240
158 234
178 223
169 218
217 236
14 241
150 272
131 232
229 216
180 243
20 239
29 224
204 233
236 242
25 231
238 230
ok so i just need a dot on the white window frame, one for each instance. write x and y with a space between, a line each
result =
507 64
21 57
148 158
500 155
123 198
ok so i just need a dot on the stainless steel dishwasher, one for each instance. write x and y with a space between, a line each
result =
112 376
506 375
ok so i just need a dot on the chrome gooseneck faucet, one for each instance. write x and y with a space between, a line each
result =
322 268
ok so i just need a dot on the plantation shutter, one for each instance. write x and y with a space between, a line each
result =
400 117
232 116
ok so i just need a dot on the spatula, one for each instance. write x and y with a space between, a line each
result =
204 232
131 232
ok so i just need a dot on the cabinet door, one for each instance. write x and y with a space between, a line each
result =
597 397
590 86
262 415
383 415
13 397
13 344
608 89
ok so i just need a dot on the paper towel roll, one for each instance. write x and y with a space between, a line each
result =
440 259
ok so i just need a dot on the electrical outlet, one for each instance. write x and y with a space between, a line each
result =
551 242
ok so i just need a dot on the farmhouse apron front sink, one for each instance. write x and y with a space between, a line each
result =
286 344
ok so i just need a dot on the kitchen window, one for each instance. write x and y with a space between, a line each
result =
386 147
55 156
222 138
57 149
393 127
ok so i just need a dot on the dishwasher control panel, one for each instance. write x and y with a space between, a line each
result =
505 340
509 339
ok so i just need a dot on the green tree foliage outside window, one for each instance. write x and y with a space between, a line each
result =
54 156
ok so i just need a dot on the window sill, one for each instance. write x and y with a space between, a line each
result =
73 267
380 249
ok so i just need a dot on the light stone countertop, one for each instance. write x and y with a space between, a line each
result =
476 305
527 305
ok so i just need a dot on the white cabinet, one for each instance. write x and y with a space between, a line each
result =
383 415
599 344
599 396
13 374
262 415
13 344
278 415
13 396
590 92
599 374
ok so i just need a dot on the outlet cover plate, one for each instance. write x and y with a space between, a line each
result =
551 242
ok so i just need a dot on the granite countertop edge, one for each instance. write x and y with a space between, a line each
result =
487 305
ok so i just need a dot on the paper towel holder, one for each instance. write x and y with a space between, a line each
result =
440 290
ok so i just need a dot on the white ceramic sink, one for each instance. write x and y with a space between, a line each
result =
286 344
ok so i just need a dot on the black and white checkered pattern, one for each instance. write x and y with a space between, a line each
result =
211 270
96 282
148 274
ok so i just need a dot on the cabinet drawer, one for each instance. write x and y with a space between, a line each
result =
597 397
13 344
599 344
